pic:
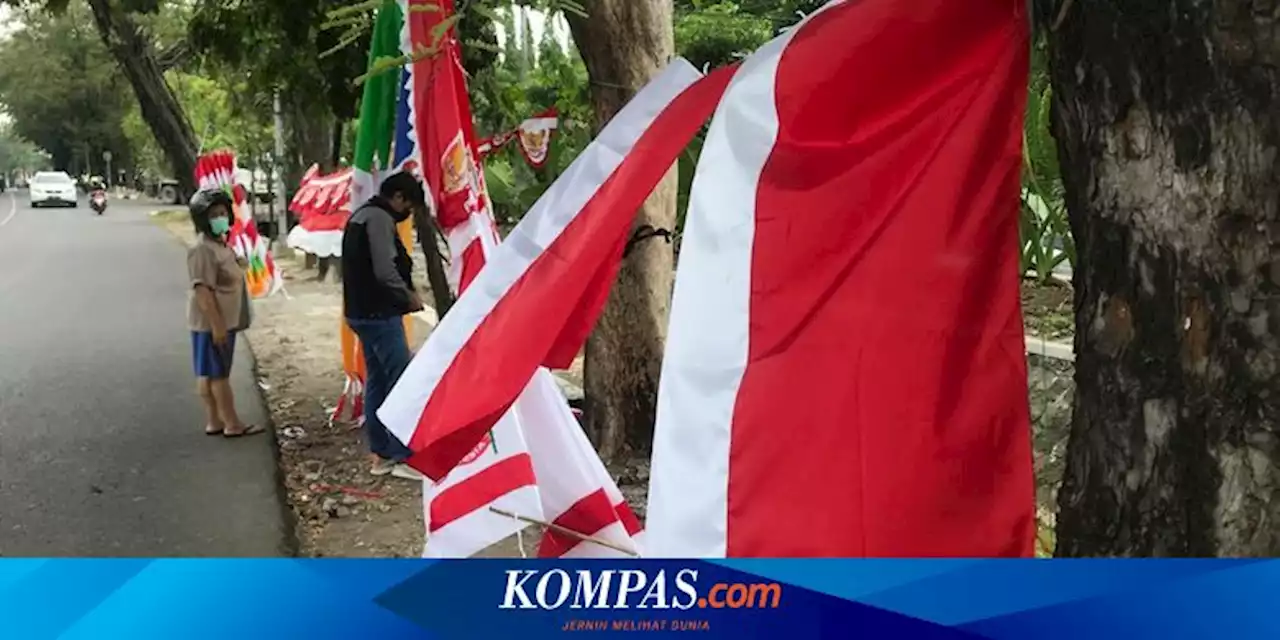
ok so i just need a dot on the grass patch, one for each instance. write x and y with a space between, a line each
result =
170 215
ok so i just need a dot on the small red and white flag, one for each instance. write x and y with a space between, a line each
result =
496 474
844 370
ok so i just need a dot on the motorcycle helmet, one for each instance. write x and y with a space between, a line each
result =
200 205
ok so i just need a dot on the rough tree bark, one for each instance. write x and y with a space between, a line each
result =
624 43
160 109
1168 137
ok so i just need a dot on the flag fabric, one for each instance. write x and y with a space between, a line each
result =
323 205
564 470
445 135
459 511
535 301
218 170
374 135
534 135
466 510
577 493
376 127
844 371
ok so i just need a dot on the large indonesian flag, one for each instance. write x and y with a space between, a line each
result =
844 373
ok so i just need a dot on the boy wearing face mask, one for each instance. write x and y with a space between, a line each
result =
216 310
377 292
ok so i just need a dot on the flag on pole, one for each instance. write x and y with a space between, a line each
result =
576 491
377 107
535 301
445 136
218 170
497 473
844 370
374 135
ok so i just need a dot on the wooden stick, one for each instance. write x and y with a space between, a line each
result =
567 532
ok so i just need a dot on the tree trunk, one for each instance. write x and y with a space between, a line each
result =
160 109
624 43
429 239
1167 136
335 144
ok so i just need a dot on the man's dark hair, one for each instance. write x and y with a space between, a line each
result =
200 205
405 184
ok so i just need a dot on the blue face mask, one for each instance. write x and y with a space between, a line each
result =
220 225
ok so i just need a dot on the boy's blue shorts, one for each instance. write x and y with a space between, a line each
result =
210 361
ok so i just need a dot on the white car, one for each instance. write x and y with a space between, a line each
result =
53 187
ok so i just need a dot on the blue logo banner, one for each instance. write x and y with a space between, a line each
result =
315 599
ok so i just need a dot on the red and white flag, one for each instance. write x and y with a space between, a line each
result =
542 438
496 472
536 300
844 372
534 304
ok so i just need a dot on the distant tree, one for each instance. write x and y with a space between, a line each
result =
60 87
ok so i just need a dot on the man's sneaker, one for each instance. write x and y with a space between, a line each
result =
382 467
406 472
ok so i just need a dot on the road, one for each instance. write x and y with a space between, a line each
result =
102 451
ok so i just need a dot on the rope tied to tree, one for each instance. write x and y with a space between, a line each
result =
642 233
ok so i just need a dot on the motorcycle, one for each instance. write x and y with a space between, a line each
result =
98 201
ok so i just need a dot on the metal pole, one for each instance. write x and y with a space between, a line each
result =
276 176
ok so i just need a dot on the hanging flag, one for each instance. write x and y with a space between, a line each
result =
536 300
844 370
535 138
372 157
217 170
377 107
323 205
445 136
534 135
497 473
577 493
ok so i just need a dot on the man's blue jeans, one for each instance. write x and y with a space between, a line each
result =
386 355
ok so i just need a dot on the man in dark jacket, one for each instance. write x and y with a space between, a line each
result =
377 292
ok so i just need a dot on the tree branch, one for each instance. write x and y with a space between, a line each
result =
174 56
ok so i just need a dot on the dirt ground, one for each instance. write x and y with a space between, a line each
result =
343 511
1047 309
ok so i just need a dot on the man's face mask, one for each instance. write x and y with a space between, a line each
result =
220 226
401 208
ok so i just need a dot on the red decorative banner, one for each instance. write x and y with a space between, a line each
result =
533 134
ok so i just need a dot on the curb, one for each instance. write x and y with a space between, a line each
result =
1037 346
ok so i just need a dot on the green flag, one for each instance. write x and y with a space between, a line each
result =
377 107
